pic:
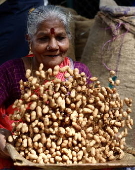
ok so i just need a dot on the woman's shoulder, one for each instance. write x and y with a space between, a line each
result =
78 63
82 67
12 70
12 61
12 64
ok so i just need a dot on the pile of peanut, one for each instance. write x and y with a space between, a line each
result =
71 121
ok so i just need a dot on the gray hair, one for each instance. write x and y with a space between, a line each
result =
48 12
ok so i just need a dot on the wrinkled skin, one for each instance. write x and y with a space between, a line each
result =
49 47
3 139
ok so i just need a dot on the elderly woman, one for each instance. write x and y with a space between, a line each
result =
48 38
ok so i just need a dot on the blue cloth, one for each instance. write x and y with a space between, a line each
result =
13 28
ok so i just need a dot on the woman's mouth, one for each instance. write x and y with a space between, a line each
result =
53 55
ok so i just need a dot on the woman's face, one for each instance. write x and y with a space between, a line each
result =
50 44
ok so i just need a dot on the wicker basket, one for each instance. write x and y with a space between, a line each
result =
127 161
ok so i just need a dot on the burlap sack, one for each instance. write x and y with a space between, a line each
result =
111 45
2 1
71 50
82 29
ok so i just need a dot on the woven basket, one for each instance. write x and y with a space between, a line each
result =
127 161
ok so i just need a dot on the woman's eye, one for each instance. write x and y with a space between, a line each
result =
43 39
59 38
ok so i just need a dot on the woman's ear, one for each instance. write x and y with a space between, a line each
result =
29 42
27 37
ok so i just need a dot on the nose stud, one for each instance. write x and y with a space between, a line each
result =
48 47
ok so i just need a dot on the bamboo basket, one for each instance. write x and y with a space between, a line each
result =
127 161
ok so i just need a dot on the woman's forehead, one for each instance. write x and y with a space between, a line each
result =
52 31
51 27
51 24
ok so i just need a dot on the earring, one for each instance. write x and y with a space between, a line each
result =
30 51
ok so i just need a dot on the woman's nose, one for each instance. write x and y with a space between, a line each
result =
53 44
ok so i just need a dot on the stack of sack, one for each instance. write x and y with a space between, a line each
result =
80 28
111 46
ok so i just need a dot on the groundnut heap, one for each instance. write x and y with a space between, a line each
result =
69 122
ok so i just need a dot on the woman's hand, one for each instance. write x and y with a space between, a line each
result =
4 134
